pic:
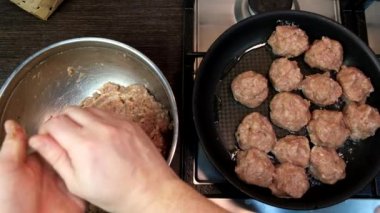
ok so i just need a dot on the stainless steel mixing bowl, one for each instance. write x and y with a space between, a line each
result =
66 72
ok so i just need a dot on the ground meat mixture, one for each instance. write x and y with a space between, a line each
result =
325 54
134 103
289 111
362 119
289 181
293 149
250 88
255 131
356 86
285 75
289 41
254 167
326 165
327 128
321 89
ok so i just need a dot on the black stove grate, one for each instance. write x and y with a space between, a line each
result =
353 18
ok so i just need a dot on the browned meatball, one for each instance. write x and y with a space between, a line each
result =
293 149
326 165
289 181
255 131
250 88
321 89
254 167
327 128
325 54
285 75
362 119
289 41
356 86
289 111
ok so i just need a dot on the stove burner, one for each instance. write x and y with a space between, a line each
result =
260 6
246 8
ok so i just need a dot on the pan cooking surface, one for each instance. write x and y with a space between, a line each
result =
230 113
217 115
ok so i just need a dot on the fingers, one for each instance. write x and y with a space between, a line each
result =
14 145
35 163
81 116
78 201
91 117
100 113
50 174
63 130
54 154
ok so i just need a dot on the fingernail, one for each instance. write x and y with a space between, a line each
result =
35 142
8 127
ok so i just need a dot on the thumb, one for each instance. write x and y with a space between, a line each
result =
54 182
54 154
14 144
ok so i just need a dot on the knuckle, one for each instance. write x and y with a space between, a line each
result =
56 157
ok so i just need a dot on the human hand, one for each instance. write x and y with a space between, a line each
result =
27 183
106 160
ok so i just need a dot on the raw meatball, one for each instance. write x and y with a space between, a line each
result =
321 89
255 131
362 119
285 75
325 54
289 181
289 111
254 167
327 128
289 41
250 88
293 149
326 165
356 86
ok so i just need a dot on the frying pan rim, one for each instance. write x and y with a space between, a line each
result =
197 119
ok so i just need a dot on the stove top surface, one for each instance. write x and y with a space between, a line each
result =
213 17
206 20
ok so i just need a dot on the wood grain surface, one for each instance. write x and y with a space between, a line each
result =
153 27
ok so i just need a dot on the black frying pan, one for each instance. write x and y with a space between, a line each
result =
217 115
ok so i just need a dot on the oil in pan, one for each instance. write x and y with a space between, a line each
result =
229 113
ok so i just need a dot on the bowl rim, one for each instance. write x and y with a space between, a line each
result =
125 47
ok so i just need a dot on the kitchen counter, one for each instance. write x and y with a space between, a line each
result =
154 28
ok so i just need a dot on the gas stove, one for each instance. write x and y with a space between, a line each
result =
204 21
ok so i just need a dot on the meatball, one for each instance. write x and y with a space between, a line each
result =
356 86
326 165
285 75
250 88
325 54
321 89
327 128
289 181
289 41
254 167
255 131
289 111
362 119
293 149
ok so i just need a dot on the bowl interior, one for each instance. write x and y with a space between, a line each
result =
64 74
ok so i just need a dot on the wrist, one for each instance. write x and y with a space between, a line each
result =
171 196
157 194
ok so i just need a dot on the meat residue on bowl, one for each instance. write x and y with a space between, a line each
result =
136 104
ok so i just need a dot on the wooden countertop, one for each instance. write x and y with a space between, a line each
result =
152 27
